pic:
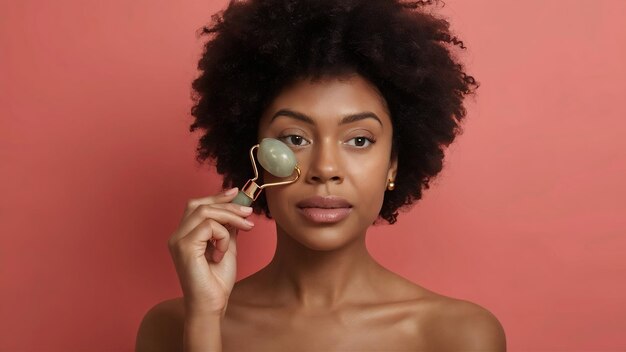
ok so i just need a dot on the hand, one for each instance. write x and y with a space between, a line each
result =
204 250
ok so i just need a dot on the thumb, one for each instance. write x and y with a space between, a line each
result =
232 243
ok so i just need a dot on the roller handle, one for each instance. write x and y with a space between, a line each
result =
242 199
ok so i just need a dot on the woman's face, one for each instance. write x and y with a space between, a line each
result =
341 134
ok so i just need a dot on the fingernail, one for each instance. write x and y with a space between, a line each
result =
231 191
245 209
250 223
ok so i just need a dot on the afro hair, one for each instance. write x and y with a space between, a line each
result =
257 47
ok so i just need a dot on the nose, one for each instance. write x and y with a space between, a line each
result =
325 164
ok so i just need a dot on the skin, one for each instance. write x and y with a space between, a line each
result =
323 291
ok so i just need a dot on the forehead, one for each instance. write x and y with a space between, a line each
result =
330 98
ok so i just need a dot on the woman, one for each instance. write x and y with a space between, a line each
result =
367 94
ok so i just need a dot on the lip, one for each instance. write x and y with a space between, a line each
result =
328 209
324 202
325 215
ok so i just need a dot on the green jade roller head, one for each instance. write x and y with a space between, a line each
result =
275 157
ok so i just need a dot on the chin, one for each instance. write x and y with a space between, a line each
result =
321 238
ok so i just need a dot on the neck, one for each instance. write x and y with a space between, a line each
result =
320 279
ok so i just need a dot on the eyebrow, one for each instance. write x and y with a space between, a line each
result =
345 120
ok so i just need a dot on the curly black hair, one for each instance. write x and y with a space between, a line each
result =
257 47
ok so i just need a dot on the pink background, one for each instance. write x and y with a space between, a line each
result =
527 218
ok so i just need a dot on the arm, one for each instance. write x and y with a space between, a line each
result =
482 332
202 334
474 328
166 328
161 329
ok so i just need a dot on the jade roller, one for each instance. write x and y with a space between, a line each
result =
275 157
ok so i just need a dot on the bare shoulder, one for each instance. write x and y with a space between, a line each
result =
445 323
162 327
456 324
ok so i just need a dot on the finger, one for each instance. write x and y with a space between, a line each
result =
241 210
214 253
209 230
206 235
223 197
208 211
217 256
220 235
222 243
228 214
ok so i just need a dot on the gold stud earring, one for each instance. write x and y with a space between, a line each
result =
391 185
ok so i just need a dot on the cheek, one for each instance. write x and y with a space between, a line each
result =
368 177
276 196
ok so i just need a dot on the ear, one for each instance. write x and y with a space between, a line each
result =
393 168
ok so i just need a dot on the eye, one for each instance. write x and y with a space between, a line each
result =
293 139
362 142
